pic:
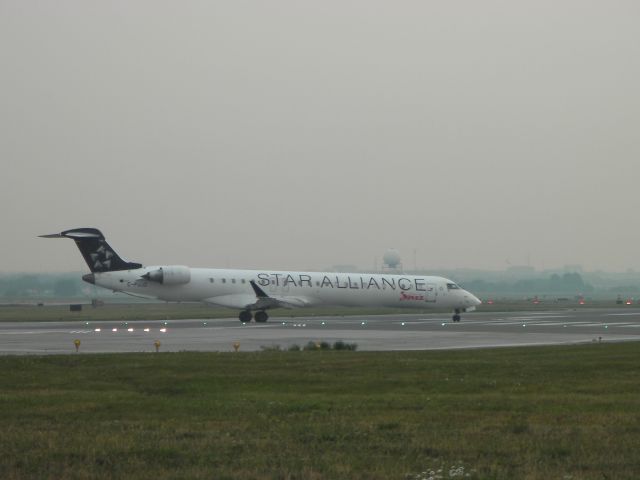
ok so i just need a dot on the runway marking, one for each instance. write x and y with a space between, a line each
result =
617 323
418 322
622 314
34 332
553 324
236 327
518 322
593 324
538 323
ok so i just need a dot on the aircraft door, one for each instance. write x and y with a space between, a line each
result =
430 293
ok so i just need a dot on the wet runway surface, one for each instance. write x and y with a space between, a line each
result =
387 332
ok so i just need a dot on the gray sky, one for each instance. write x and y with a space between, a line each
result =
298 135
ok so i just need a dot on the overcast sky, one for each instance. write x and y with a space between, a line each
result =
299 135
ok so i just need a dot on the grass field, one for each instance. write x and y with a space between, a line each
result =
527 413
176 311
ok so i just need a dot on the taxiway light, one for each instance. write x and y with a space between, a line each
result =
524 324
129 329
363 323
114 329
322 323
204 323
146 329
163 330
606 326
86 323
443 324
97 330
402 324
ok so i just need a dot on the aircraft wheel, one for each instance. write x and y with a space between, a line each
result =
261 316
245 316
456 317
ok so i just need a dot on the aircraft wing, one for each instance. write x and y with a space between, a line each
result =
259 301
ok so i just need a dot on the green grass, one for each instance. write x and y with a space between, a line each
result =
163 311
176 311
528 413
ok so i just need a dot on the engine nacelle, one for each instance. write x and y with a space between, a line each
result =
170 275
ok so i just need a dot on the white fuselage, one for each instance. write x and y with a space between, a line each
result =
232 288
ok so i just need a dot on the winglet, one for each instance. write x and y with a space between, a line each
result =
259 292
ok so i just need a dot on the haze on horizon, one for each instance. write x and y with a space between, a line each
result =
299 135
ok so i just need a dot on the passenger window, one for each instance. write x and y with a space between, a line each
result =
233 280
224 280
211 280
244 281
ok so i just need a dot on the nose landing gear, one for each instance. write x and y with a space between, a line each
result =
456 315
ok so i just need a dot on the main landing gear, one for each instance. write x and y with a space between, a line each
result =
456 315
260 316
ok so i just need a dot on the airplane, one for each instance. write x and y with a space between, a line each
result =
253 292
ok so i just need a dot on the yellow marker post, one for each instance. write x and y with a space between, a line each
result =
76 342
157 345
236 346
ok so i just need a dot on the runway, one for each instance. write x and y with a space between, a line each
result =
386 332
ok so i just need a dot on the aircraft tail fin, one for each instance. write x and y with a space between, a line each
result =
100 257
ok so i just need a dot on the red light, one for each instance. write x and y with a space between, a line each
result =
581 302
490 302
629 302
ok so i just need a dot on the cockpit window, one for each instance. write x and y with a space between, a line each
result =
452 286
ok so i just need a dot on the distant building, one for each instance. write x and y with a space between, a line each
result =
573 269
521 271
392 261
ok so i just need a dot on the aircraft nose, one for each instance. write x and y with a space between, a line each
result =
472 299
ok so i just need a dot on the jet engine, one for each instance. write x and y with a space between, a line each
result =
170 275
